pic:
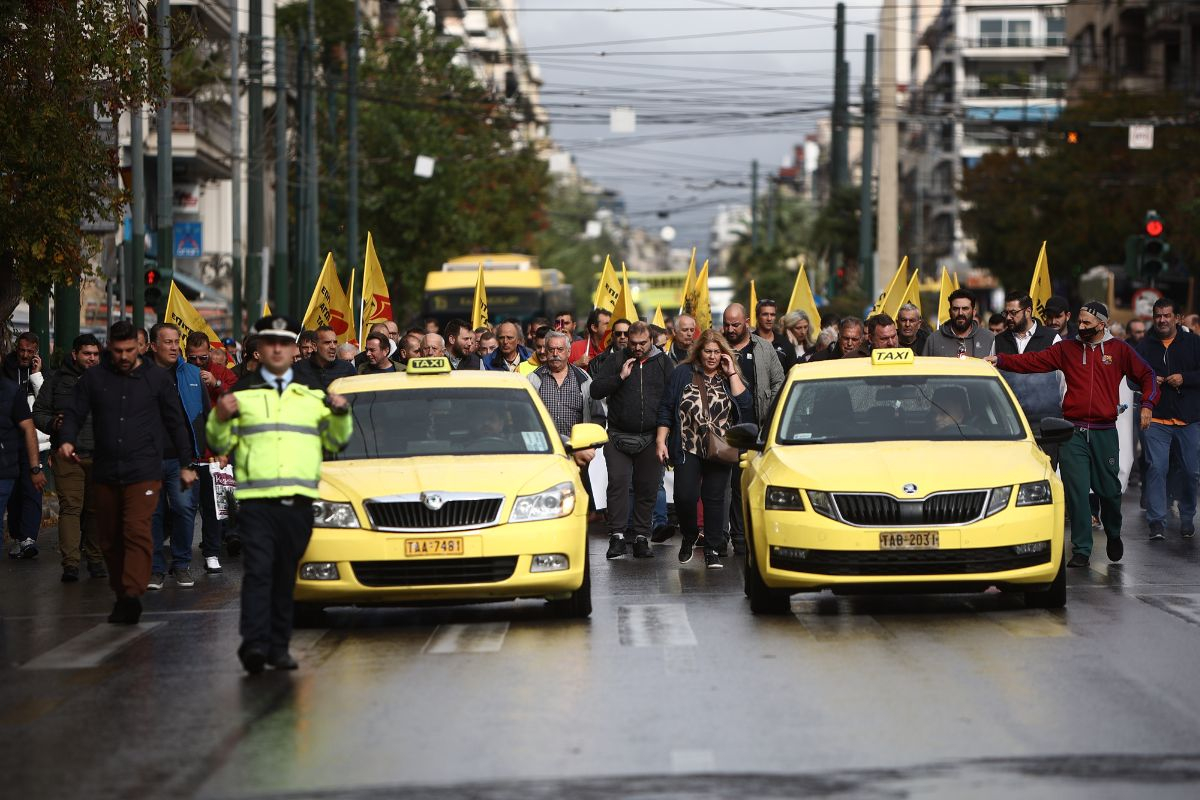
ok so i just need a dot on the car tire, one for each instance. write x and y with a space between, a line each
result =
308 615
579 604
1054 596
764 601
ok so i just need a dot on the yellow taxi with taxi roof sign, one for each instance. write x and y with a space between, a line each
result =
454 487
900 473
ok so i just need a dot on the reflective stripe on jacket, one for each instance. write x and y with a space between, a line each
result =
277 440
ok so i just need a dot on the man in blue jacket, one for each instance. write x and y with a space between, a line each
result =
180 501
1174 354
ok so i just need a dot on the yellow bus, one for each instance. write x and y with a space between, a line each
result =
517 288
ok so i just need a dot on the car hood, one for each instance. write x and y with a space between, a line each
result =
889 466
509 475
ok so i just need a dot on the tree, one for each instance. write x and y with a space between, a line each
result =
64 66
562 245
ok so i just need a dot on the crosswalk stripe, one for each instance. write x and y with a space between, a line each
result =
480 637
90 648
654 626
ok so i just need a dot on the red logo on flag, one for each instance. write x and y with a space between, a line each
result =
383 307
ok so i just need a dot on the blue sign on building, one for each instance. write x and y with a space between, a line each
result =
189 239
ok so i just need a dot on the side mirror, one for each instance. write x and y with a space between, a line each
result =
743 437
585 436
1054 430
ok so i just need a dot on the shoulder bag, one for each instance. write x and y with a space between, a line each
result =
715 446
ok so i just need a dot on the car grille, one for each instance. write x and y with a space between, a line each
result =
964 561
436 571
948 508
413 515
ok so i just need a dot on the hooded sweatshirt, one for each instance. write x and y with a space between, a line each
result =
978 342
1094 372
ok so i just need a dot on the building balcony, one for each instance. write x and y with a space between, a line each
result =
1015 91
199 134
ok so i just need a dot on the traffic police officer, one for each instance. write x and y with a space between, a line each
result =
275 428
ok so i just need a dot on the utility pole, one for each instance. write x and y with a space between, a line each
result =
889 146
866 226
303 257
840 154
280 282
352 149
254 176
235 115
754 205
166 193
314 188
772 200
135 283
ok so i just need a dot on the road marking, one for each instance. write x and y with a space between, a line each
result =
479 637
692 761
90 648
1184 606
654 626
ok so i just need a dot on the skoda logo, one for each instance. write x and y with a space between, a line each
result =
432 501
909 488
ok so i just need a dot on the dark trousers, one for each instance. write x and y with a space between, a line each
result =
1089 461
211 528
644 472
707 481
275 534
123 515
737 525
25 505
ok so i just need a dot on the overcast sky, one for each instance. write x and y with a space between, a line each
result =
715 83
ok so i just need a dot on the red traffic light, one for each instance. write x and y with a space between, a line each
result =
1154 227
151 277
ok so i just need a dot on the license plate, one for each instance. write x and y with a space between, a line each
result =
909 540
434 547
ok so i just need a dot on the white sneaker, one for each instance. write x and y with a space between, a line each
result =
212 565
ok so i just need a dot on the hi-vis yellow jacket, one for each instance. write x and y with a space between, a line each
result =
276 440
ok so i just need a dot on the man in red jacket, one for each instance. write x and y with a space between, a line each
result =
1094 366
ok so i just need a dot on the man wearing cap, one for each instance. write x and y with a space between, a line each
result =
1057 314
1094 366
275 427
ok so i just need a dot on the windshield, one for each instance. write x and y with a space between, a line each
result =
898 408
438 422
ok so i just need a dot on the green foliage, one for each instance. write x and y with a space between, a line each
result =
1084 199
561 244
63 64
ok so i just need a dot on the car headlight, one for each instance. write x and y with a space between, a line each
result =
557 501
783 498
822 503
328 514
998 500
1034 494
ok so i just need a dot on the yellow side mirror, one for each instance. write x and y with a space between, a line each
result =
585 436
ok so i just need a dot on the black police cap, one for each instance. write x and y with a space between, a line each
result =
277 326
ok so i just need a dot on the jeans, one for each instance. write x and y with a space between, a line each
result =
24 505
700 479
182 504
6 490
1159 439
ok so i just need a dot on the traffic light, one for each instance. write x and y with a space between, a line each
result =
154 290
1153 261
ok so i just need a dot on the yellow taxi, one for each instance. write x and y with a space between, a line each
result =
900 473
454 487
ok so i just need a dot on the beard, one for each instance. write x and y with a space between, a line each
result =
960 325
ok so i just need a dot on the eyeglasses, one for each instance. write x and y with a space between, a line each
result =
1009 312
203 359
621 334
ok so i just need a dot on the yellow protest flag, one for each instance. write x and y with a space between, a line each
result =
608 291
890 297
954 277
377 302
479 306
1040 289
350 311
624 307
329 305
184 316
687 300
266 312
803 300
753 310
912 294
701 306
658 318
947 286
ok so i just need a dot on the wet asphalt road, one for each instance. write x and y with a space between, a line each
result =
672 689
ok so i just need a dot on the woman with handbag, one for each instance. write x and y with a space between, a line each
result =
705 396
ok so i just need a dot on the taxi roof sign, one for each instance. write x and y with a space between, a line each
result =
433 365
888 356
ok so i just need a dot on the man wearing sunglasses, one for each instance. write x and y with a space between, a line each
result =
616 344
217 379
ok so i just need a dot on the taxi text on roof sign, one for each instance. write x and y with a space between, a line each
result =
892 355
435 365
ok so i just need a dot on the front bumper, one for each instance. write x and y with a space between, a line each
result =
373 568
806 551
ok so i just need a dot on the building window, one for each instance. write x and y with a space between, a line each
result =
991 32
1056 31
1019 33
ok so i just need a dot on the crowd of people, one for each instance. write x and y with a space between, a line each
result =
134 425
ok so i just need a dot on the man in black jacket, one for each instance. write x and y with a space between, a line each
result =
1174 355
76 522
324 366
633 382
134 408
